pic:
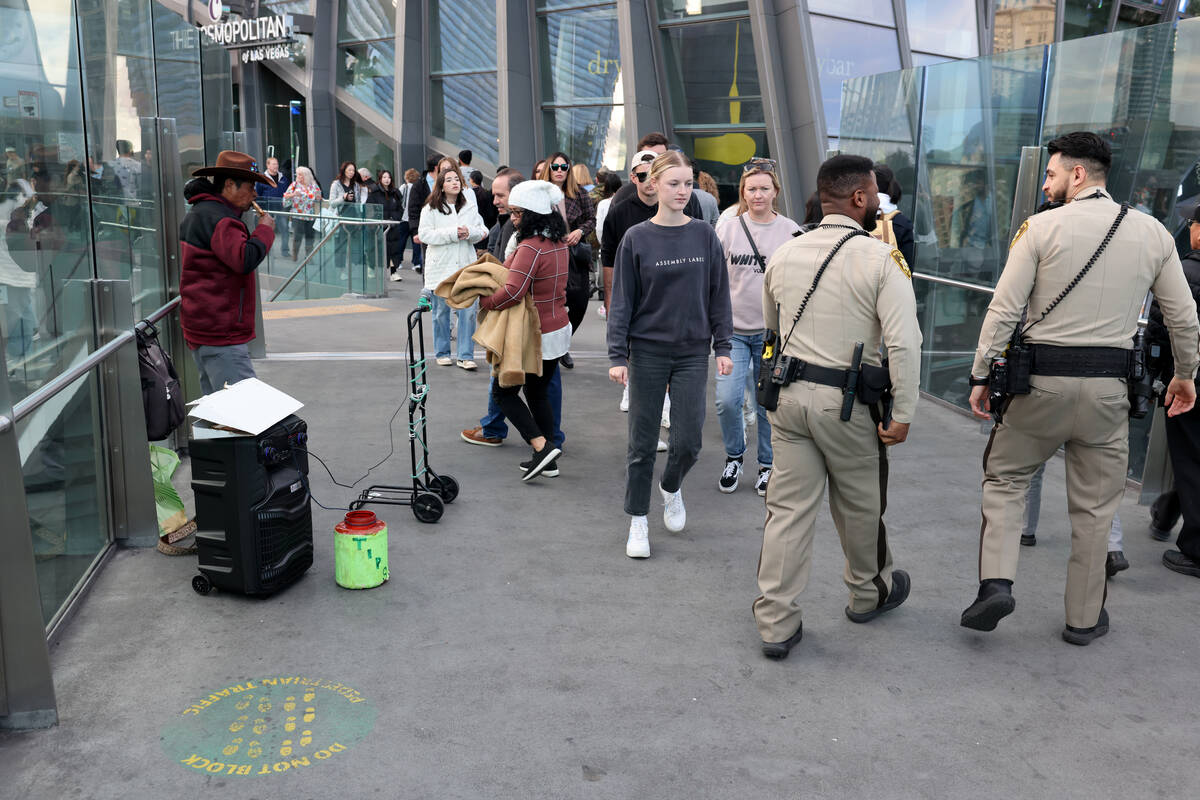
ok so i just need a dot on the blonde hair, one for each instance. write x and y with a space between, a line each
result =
742 205
308 173
668 160
582 176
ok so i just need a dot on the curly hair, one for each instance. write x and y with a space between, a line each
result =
550 226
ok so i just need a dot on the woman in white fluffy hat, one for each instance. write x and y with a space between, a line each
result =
539 266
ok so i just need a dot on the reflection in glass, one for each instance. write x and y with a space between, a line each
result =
580 55
463 35
364 149
43 205
848 50
366 19
685 9
60 446
943 26
879 12
1085 18
1021 23
591 135
950 321
712 74
367 70
879 121
712 152
465 113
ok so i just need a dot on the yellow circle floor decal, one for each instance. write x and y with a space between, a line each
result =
268 726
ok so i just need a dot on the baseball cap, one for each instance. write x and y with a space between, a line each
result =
642 157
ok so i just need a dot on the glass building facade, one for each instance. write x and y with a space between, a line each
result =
953 133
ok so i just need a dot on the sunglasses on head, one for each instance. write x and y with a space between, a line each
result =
760 165
560 167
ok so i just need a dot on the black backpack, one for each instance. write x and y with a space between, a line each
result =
162 396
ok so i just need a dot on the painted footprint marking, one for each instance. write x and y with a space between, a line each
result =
310 714
254 749
289 704
260 726
309 694
286 748
232 748
290 725
265 705
238 724
305 738
244 703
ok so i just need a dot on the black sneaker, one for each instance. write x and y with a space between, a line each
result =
764 477
730 475
1028 540
901 584
994 603
1084 636
1115 562
780 650
566 361
1183 564
540 461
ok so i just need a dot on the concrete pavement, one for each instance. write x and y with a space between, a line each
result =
517 653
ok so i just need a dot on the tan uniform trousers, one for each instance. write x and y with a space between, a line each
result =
811 444
1090 417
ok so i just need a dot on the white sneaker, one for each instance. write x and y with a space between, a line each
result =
666 414
662 446
444 361
674 514
625 400
638 543
395 277
764 477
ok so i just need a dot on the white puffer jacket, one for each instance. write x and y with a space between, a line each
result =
445 253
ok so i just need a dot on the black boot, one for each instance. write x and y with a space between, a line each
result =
1084 636
1115 562
778 650
995 601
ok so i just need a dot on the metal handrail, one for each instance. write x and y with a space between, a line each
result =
34 401
951 282
316 249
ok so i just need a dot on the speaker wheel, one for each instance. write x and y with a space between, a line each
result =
202 584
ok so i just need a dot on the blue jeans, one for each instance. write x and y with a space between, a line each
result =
441 330
731 392
493 423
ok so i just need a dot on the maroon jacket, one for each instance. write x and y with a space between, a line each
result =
217 287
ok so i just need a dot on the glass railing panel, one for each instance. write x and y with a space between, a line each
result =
65 490
977 116
345 253
950 317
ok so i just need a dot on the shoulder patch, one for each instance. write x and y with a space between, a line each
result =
1020 232
898 257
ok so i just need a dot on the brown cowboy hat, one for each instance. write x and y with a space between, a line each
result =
232 164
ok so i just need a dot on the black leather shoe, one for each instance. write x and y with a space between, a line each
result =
566 361
994 603
1115 562
780 650
901 584
1158 534
1178 562
1084 636
1028 539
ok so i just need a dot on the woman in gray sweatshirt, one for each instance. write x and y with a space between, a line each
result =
670 308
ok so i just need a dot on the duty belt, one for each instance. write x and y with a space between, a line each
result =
1080 362
798 370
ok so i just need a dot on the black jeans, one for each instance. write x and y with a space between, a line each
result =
649 375
537 418
1183 442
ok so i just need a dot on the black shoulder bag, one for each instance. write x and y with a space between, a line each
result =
758 259
1010 373
770 376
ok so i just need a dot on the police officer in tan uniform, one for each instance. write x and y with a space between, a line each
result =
864 295
1078 389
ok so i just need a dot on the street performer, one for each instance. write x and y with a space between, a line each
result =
217 289
830 298
1062 378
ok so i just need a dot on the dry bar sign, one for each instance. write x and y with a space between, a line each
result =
258 38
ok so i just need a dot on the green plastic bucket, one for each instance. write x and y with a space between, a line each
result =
360 551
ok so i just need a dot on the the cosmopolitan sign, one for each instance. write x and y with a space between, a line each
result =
259 38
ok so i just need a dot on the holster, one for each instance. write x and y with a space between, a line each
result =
875 389
767 387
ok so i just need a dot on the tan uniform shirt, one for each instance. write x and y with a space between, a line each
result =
1102 310
865 295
